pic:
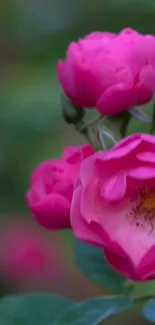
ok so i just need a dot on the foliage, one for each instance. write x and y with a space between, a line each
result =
92 263
48 309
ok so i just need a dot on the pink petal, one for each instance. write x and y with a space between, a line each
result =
146 156
126 235
44 171
145 87
122 264
91 210
87 85
87 151
52 212
142 173
72 155
115 100
129 48
124 148
92 77
99 35
64 78
148 138
146 267
76 154
129 31
88 167
130 139
70 151
85 77
114 189
150 50
80 228
132 232
64 188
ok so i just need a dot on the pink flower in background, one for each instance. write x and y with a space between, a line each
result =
113 205
112 72
25 255
51 189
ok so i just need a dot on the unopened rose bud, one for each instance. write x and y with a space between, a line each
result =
71 113
51 187
109 72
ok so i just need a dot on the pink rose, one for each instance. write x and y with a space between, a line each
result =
112 72
113 205
50 193
24 254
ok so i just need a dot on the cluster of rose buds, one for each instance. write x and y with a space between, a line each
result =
106 197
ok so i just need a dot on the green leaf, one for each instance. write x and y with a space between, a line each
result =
106 139
94 311
91 261
32 309
142 289
149 310
139 115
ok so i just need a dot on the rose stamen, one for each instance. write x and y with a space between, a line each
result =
149 202
142 212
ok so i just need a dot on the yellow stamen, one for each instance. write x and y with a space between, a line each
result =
149 202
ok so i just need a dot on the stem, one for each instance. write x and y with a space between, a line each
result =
105 138
101 142
82 129
124 124
91 122
153 119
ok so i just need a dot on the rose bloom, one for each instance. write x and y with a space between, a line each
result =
112 72
51 188
25 254
113 205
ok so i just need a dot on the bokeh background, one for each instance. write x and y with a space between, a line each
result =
34 34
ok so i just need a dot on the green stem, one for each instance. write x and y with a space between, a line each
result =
153 119
82 129
124 125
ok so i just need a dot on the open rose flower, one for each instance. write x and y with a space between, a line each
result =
113 205
112 72
51 189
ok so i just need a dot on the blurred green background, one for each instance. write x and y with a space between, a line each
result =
34 34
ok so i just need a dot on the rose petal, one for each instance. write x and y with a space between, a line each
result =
80 227
146 156
52 212
142 173
114 189
115 100
145 87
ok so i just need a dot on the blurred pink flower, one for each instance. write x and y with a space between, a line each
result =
113 205
51 190
25 254
112 72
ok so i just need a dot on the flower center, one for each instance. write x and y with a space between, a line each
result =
149 202
142 209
